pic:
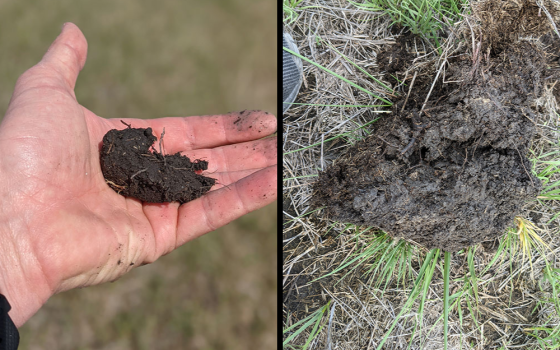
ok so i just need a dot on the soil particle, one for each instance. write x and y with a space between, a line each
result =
456 173
246 119
396 58
132 170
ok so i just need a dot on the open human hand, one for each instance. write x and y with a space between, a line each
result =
62 226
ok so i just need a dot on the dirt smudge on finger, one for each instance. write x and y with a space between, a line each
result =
248 120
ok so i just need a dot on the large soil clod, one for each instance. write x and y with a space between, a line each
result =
455 173
132 170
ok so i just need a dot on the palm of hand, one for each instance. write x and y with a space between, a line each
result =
76 230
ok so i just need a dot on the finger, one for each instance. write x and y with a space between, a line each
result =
186 133
229 178
45 93
163 219
248 155
220 207
163 216
60 65
67 54
241 156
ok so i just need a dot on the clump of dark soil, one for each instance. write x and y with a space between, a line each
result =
395 59
453 173
132 170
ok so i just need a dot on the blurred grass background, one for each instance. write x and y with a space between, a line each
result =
151 59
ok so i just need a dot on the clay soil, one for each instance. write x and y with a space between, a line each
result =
453 172
133 167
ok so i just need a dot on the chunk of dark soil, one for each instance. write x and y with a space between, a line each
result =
456 173
132 170
395 59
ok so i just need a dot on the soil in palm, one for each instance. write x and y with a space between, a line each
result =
134 168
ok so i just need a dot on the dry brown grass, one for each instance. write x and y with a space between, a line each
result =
508 293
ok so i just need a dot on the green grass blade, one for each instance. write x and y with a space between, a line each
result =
308 322
426 271
316 331
303 324
473 279
331 138
360 68
501 247
424 292
446 298
337 75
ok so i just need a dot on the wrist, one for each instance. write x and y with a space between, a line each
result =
21 280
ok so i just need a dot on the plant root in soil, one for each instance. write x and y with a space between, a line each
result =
453 171
132 170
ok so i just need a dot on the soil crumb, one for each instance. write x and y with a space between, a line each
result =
132 170
454 173
395 59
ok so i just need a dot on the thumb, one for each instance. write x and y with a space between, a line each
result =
67 54
62 63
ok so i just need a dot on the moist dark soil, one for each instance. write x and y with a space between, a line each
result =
395 59
134 168
454 173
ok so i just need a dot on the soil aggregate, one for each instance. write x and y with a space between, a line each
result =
395 59
454 172
134 168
